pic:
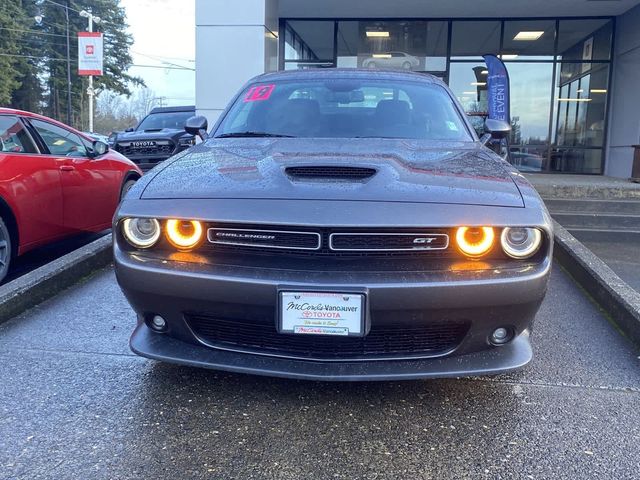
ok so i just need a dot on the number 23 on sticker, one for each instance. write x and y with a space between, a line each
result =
259 92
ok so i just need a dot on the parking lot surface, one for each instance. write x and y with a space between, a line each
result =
43 255
75 403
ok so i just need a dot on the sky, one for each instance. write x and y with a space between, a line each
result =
164 40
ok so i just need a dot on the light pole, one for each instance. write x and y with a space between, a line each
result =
90 91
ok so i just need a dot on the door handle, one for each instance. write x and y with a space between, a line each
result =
67 168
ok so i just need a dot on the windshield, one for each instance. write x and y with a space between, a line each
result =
158 121
346 108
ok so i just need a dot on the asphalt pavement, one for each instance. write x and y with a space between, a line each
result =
76 404
621 252
43 255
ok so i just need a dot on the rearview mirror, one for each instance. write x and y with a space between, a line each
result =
497 129
99 148
197 125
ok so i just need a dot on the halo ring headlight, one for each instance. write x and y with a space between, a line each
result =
520 242
475 242
184 234
141 232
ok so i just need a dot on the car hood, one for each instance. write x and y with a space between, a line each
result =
405 171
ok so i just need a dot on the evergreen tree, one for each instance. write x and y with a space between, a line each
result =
11 13
33 60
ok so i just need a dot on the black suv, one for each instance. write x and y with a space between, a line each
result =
157 137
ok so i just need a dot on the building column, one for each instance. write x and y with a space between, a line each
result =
235 41
624 111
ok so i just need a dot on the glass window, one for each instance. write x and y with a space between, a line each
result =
584 40
13 136
160 120
309 40
347 108
576 160
409 45
475 38
60 141
531 95
302 65
529 39
468 82
581 107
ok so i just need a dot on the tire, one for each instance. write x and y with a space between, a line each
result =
372 65
126 186
406 65
5 250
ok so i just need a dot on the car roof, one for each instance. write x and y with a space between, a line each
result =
187 108
24 113
347 73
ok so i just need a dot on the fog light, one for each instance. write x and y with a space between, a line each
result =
158 323
501 335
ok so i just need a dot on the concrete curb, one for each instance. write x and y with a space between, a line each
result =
613 294
44 282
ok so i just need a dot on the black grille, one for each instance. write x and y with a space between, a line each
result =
330 172
388 242
130 149
264 239
356 245
382 341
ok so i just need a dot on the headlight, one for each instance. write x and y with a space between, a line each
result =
475 242
520 242
187 142
141 232
184 234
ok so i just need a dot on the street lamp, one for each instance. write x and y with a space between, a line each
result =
90 91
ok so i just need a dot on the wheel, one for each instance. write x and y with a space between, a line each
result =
372 65
126 187
5 250
406 65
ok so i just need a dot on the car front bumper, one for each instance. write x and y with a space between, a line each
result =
486 299
512 356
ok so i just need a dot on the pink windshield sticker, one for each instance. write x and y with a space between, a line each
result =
259 92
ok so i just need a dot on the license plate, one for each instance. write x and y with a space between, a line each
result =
322 313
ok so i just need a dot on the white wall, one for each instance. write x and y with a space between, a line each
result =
624 119
235 41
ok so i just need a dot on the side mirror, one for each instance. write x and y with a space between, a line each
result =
130 129
496 129
197 125
99 148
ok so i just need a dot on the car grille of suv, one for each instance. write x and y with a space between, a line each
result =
130 149
382 342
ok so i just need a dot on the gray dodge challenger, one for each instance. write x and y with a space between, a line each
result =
336 225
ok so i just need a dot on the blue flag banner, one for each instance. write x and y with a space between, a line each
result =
497 89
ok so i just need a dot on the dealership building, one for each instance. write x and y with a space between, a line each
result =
574 65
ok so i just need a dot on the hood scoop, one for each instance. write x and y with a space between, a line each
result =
329 173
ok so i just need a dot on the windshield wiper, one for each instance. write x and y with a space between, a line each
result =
252 134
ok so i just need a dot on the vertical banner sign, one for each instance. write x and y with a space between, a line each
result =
89 53
497 89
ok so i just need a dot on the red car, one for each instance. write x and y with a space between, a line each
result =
54 182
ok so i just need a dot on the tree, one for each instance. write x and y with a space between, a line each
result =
11 24
33 59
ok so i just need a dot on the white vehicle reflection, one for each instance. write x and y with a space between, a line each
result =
398 60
